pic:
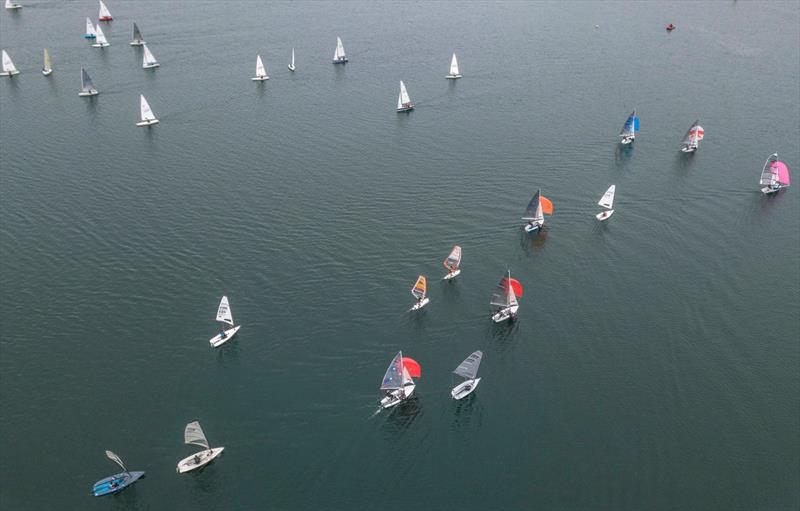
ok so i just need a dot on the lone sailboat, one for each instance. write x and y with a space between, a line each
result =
504 300
47 67
453 263
100 41
11 6
420 292
225 317
146 113
404 103
397 384
775 175
453 69
607 201
629 129
117 482
193 435
9 69
138 40
148 59
87 88
468 370
534 213
261 72
692 138
291 66
339 57
104 14
91 33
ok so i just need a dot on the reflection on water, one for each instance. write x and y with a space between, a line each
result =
622 155
402 416
468 412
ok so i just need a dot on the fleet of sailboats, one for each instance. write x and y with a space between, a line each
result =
261 72
148 59
691 141
291 66
454 73
504 300
117 482
404 103
138 40
145 113
9 69
100 40
468 372
224 316
453 263
193 435
534 213
629 129
607 201
47 67
103 13
398 381
91 33
87 88
774 176
339 56
420 292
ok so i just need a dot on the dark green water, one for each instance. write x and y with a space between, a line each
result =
655 361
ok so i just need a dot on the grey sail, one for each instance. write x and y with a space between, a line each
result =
116 459
193 434
137 35
630 125
500 296
86 82
533 206
469 367
393 379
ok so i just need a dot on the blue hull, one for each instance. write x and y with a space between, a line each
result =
87 36
115 483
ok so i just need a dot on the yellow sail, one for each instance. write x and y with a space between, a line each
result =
420 288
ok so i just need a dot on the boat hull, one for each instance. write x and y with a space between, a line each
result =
260 78
121 480
505 314
604 215
420 304
100 45
398 396
9 73
533 227
190 463
452 274
147 123
47 72
453 77
768 190
88 93
105 18
218 340
626 141
137 43
340 61
688 149
151 66
405 109
464 389
14 7
291 67
89 36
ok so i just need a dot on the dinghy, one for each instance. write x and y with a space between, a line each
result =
117 482
9 69
468 370
504 299
339 56
91 33
420 292
775 175
104 14
147 116
534 213
148 59
47 67
692 138
100 41
397 384
11 6
193 435
225 317
261 72
453 263
87 88
138 40
453 69
291 66
404 103
629 129
607 201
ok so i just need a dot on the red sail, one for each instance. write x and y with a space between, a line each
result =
413 367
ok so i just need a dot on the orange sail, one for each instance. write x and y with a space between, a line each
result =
420 288
547 205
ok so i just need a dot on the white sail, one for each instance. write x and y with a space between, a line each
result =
403 100
224 311
101 37
292 58
8 65
90 31
339 53
148 59
261 72
193 435
116 459
146 112
104 13
454 66
607 201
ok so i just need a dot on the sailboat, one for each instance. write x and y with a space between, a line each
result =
404 103
146 114
47 67
138 40
339 56
420 292
692 138
775 175
104 14
225 317
398 384
454 69
453 263
291 66
148 59
91 33
468 370
9 69
261 72
629 129
193 435
100 41
504 299
607 201
117 482
87 88
534 213
11 6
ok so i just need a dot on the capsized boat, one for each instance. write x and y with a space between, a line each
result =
47 67
398 384
504 300
453 263
193 435
404 103
629 129
420 292
104 14
691 141
225 317
607 201
534 213
100 41
11 6
775 175
148 59
138 40
467 370
9 69
87 88
670 27
454 73
91 33
117 482
146 113
339 56
261 72
291 66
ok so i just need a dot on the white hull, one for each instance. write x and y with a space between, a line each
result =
100 45
625 141
291 67
504 314
688 149
769 190
405 109
89 93
9 73
147 123
14 7
604 215
533 227
398 396
452 274
218 340
420 304
453 77
339 61
198 460
137 43
47 72
150 66
464 389
259 78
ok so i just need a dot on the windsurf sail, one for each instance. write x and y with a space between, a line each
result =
403 100
453 260
148 59
292 58
116 459
769 174
47 66
137 35
469 367
224 312
104 14
339 53
8 64
607 201
631 125
694 135
90 31
420 288
144 107
393 379
412 367
193 435
454 66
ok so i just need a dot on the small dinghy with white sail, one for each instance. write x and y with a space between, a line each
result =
91 33
87 88
774 176
504 300
453 263
691 141
100 41
404 103
104 14
225 317
261 71
138 40
398 384
9 69
629 129
420 292
12 6
467 370
146 114
291 66
454 73
193 435
148 59
607 201
534 213
339 56
47 66
117 482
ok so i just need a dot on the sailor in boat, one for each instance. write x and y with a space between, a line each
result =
222 333
670 27
196 459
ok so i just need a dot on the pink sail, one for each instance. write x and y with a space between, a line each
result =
782 171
